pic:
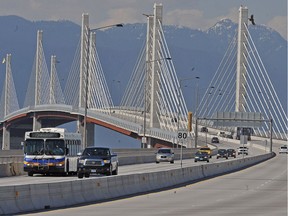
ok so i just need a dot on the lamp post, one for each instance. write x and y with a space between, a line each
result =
144 138
196 96
87 75
212 87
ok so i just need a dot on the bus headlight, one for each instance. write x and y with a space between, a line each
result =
59 164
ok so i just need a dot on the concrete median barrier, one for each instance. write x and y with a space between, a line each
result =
5 170
8 199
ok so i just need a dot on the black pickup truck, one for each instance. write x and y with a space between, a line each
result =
97 160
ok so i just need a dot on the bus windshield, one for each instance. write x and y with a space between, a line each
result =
50 147
34 147
54 147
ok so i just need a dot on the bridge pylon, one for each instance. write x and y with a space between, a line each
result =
6 130
84 61
241 76
38 77
152 71
155 68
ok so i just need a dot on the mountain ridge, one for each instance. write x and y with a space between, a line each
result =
194 52
189 48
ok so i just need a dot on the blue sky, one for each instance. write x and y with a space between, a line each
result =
199 14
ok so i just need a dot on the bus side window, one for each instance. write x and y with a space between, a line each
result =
67 151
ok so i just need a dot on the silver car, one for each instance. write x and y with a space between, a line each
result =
165 154
283 149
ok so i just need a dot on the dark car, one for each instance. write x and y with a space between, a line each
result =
231 153
98 160
204 129
222 153
201 156
214 140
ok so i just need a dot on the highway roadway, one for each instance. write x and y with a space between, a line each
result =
258 190
123 170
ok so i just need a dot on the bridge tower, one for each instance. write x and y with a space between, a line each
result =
7 95
52 99
39 61
241 60
151 84
84 58
155 69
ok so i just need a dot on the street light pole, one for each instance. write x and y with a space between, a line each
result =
178 120
196 92
89 31
196 112
207 110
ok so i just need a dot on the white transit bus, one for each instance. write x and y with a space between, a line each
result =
51 151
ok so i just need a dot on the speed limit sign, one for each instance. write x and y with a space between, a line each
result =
182 134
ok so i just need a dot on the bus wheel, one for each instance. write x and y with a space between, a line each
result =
87 175
30 173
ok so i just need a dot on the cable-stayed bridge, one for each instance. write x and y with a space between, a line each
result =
153 105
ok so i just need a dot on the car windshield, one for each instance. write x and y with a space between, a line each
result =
204 149
201 153
165 151
221 151
96 152
230 150
283 147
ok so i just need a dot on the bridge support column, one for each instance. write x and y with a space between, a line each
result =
149 142
6 137
90 133
37 124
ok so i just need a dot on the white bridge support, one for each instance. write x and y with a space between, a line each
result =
156 57
84 58
52 99
6 130
152 79
241 60
39 61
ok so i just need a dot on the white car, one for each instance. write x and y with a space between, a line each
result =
242 150
221 134
283 149
165 154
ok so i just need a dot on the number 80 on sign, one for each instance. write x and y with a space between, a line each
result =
182 134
